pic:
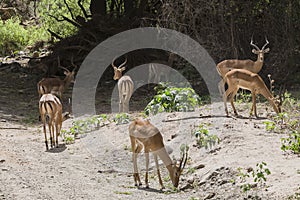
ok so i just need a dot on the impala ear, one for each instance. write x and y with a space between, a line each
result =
122 69
267 50
254 51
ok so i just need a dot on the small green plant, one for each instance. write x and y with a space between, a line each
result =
67 136
121 118
245 187
170 99
191 170
291 143
243 97
260 173
203 138
259 176
83 126
270 125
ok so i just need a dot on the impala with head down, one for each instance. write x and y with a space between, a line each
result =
55 85
241 78
253 66
125 86
144 135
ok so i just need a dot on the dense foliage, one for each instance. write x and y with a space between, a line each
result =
224 28
170 99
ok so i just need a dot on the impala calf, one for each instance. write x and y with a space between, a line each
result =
55 85
144 135
50 109
253 66
241 78
125 86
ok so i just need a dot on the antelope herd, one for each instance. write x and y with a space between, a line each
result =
144 135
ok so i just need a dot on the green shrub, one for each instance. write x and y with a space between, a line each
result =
15 37
170 99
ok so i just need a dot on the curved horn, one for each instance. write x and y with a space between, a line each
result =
184 159
267 42
112 63
64 68
72 62
124 63
58 62
251 43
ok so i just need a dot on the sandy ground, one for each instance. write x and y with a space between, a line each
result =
98 165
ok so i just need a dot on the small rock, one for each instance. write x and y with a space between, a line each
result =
2 161
187 186
191 180
173 136
200 166
209 196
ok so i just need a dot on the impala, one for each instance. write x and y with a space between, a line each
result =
156 71
125 86
253 66
55 85
241 78
50 109
144 135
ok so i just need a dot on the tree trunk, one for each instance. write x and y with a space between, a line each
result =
128 8
98 7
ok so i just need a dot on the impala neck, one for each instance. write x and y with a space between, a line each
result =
67 81
268 95
259 63
164 156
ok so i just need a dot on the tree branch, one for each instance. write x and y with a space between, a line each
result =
70 10
54 34
83 10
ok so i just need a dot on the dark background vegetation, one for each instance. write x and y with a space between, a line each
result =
223 27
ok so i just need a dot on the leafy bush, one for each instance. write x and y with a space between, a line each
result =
170 99
15 37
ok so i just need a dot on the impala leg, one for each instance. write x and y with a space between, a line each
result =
225 103
221 87
45 134
136 149
158 172
50 130
58 128
232 103
147 168
229 91
253 108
